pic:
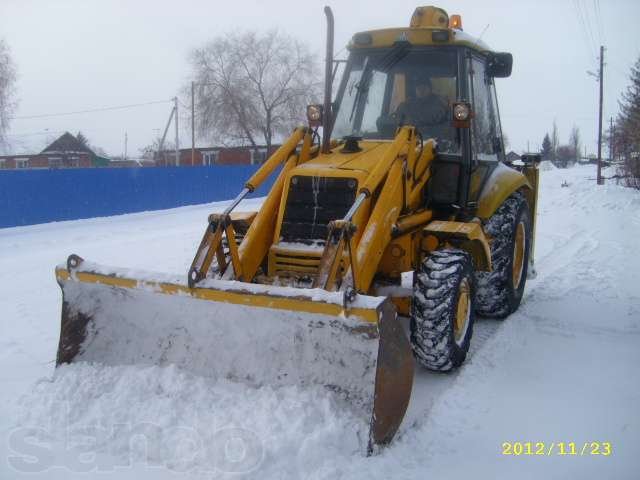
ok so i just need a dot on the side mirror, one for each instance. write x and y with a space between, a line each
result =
499 64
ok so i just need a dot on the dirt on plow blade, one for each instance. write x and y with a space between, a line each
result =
255 334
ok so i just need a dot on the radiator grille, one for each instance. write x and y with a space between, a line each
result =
284 261
312 202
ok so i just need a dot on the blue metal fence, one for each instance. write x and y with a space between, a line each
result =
29 197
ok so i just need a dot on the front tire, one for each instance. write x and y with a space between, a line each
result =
442 310
500 291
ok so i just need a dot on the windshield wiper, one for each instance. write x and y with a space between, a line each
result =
360 86
397 53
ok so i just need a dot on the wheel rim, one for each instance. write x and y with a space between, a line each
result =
463 312
518 256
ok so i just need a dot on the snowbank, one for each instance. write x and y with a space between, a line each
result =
563 368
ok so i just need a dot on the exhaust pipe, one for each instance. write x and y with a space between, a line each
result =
327 116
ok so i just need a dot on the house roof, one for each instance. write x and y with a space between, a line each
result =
67 143
513 156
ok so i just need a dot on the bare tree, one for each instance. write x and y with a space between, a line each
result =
7 90
626 139
555 140
153 150
253 86
574 142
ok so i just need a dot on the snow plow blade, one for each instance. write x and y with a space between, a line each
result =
255 334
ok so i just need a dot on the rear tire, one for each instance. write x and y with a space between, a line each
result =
442 310
499 292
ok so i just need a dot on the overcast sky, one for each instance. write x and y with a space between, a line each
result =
82 54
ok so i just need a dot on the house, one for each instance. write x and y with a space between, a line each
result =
207 156
65 152
512 157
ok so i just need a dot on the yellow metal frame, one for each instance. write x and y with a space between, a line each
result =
300 262
532 172
502 182
396 181
221 224
466 235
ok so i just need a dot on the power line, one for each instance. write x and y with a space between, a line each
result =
588 42
601 31
31 134
582 14
91 110
592 29
597 21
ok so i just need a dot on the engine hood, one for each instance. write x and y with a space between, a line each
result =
362 161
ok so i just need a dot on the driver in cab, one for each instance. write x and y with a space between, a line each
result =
424 109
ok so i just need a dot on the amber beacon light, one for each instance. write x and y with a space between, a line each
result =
455 21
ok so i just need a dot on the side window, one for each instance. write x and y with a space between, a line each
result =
496 112
483 125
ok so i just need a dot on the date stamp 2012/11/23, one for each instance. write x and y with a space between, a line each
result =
557 448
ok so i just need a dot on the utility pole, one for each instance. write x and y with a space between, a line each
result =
600 78
175 108
164 136
125 145
193 123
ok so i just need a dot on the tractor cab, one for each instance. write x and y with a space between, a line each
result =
438 79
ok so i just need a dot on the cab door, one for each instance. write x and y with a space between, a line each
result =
487 147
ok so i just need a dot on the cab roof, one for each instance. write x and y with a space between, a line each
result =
429 26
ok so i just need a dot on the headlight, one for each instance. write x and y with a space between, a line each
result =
462 115
461 112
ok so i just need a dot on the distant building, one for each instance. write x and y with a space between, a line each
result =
68 152
207 156
65 152
512 157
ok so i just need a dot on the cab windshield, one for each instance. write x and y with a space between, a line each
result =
384 89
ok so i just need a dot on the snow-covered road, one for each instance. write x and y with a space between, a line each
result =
564 368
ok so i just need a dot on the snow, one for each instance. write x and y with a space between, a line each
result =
224 340
150 280
563 368
316 246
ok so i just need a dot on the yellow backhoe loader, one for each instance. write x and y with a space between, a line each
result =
405 207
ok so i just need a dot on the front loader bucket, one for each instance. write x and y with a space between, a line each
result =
256 334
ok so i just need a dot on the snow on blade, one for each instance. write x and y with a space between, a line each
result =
254 345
